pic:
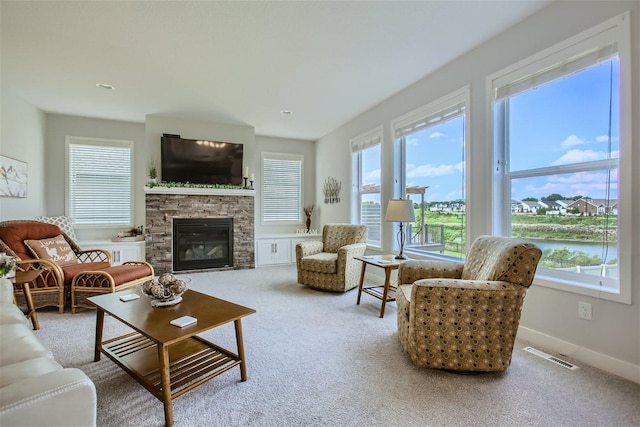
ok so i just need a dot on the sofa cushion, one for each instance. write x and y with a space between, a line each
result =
70 271
64 222
27 368
127 273
323 262
12 315
55 249
19 343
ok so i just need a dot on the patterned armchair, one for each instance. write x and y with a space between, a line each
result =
329 265
465 316
68 272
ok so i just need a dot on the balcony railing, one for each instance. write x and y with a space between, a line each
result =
429 237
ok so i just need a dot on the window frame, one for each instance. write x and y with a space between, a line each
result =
285 157
444 103
617 27
358 145
102 142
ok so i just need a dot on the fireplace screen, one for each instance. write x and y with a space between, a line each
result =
201 243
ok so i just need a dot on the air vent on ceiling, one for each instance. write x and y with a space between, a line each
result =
551 358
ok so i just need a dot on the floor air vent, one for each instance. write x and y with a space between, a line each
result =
551 358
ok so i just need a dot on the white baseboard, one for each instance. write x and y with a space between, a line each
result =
609 364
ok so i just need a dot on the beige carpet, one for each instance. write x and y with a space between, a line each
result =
318 359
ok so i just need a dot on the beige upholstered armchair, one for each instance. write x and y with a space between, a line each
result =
329 265
465 316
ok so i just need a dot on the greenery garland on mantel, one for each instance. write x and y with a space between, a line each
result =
171 184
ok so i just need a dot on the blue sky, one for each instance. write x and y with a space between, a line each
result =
563 122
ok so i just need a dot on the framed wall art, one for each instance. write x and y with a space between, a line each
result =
13 177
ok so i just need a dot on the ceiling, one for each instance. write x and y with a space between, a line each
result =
236 62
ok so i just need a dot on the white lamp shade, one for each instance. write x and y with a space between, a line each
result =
400 211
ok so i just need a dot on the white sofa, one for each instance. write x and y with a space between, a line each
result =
34 389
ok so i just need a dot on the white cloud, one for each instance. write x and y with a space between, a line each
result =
413 141
605 138
437 135
591 184
576 156
373 176
431 170
571 141
454 195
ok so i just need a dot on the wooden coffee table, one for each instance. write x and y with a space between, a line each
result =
165 359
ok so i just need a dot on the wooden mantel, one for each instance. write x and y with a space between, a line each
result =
200 191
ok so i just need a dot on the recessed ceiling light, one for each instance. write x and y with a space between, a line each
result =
106 86
285 111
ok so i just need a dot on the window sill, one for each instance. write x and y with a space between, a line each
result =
579 288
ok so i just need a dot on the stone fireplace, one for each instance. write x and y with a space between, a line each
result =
165 206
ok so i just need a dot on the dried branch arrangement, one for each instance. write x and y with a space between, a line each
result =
331 190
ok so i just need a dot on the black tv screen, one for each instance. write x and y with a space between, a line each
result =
200 161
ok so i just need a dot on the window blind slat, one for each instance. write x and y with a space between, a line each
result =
558 70
100 183
282 188
419 122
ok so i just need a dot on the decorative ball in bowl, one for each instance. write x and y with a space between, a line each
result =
167 290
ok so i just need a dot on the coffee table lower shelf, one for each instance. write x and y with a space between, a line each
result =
191 362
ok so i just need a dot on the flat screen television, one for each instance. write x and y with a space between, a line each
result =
201 161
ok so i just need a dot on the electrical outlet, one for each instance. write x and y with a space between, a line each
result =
584 310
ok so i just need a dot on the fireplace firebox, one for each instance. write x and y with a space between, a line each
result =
202 243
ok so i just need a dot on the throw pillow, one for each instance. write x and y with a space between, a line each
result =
64 222
55 249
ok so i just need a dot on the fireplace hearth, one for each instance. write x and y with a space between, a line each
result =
200 243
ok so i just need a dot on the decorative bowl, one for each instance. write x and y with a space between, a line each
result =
165 291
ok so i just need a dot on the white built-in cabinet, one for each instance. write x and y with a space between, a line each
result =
279 248
120 251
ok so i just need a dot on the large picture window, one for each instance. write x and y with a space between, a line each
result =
558 134
431 143
99 181
366 166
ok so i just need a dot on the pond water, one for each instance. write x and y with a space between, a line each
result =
588 248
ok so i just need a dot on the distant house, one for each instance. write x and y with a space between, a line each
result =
592 207
529 206
553 207
447 207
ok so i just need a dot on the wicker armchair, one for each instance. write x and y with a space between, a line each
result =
329 265
92 271
465 316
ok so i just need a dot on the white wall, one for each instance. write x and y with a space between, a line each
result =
23 138
58 128
550 318
289 146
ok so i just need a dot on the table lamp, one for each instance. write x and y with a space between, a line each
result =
400 211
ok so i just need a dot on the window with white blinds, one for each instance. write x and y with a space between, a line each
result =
281 187
99 181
